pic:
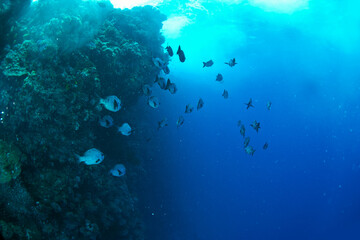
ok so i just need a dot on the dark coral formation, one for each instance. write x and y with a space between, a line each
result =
57 60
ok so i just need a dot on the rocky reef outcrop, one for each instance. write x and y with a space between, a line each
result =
57 60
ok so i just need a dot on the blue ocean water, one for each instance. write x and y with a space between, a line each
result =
305 60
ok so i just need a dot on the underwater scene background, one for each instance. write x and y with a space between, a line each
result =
104 134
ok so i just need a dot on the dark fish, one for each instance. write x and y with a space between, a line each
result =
171 87
161 65
208 63
250 150
181 54
242 130
162 123
166 69
200 104
265 146
255 125
180 121
106 122
249 104
231 63
239 123
161 82
153 102
219 77
246 142
170 51
225 94
268 105
189 108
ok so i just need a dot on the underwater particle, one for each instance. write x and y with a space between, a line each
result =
246 142
231 63
225 94
265 146
249 104
125 129
208 63
161 82
189 108
268 105
255 125
171 87
250 150
10 161
146 90
118 170
106 121
219 77
153 102
162 123
180 121
91 157
111 103
200 104
242 130
169 51
181 54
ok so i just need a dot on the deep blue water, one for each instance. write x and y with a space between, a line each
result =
202 185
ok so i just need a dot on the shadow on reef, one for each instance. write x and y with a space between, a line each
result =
58 59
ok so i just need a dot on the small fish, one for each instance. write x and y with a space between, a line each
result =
268 105
250 150
239 123
118 170
106 121
200 104
171 87
242 130
246 142
208 63
265 146
125 129
181 54
249 104
91 157
231 63
219 77
162 123
170 51
153 102
180 121
161 65
111 103
225 94
161 82
146 90
189 108
255 125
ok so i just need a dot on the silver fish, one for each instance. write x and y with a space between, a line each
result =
118 170
162 123
268 105
146 90
255 125
189 108
161 82
125 129
153 102
111 103
91 157
250 150
171 87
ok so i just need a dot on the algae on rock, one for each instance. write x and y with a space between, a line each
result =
10 161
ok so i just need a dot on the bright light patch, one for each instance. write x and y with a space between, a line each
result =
173 25
133 3
281 6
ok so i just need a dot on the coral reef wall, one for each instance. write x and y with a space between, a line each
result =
57 59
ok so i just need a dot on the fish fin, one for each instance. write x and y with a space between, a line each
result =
227 63
78 157
204 64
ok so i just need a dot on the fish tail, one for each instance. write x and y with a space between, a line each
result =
78 157
204 64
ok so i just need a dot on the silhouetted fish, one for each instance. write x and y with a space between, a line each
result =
106 121
219 77
171 87
161 82
265 146
255 125
225 94
162 123
146 90
153 102
268 105
249 104
189 108
242 130
231 63
200 104
208 63
170 51
250 150
180 121
246 142
181 54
